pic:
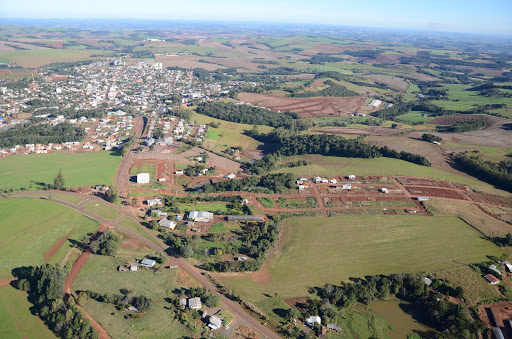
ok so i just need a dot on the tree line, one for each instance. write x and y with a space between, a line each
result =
498 174
334 90
29 133
270 183
252 115
462 126
45 287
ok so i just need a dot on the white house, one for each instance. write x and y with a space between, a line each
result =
167 223
347 186
162 179
159 213
148 263
153 202
375 103
179 172
194 303
200 216
215 322
314 319
384 190
333 181
143 178
351 177
230 176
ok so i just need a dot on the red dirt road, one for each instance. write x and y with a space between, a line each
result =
51 252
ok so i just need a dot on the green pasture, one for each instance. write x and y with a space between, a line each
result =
415 116
467 99
144 168
40 57
30 227
229 134
31 171
102 210
16 319
134 226
317 251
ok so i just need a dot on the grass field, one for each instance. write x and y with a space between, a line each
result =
83 169
16 320
468 212
102 210
40 57
266 202
132 225
476 288
415 116
357 246
223 227
229 134
30 227
467 99
329 166
100 274
75 200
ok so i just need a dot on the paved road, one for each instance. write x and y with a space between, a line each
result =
242 316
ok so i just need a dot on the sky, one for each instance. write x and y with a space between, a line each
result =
468 16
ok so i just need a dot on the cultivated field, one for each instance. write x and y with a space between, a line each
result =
358 246
40 57
30 229
309 107
16 319
34 170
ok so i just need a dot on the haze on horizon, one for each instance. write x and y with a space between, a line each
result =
464 16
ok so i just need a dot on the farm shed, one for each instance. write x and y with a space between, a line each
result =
246 218
167 223
194 303
215 322
153 202
143 178
200 216
313 319
492 279
423 198
148 263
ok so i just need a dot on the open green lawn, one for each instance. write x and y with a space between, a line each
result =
132 225
74 199
16 320
30 227
467 99
415 116
229 134
82 169
102 210
145 168
266 202
329 166
317 251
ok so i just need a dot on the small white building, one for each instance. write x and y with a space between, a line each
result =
333 181
149 263
195 303
200 216
314 319
215 322
384 190
351 177
347 186
167 223
162 180
154 202
375 103
230 176
143 178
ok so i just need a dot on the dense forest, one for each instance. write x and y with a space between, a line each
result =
462 126
45 287
271 183
498 174
245 114
41 134
334 90
446 317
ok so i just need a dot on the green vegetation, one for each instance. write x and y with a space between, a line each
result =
29 133
369 245
266 202
415 116
16 320
33 171
309 202
34 227
102 210
134 226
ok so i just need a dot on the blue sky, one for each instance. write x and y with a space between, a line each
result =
475 16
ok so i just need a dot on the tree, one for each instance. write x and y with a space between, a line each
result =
113 195
143 303
291 314
187 251
58 181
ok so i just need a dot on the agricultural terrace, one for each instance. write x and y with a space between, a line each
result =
229 134
352 246
31 230
100 275
32 171
330 166
16 319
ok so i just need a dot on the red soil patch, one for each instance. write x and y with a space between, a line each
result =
502 311
51 252
309 107
452 119
298 303
6 282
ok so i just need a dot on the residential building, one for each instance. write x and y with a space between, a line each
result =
167 223
195 303
143 178
215 322
149 263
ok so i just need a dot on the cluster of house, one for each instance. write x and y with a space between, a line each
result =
111 132
302 183
194 216
214 322
491 277
131 267
316 320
